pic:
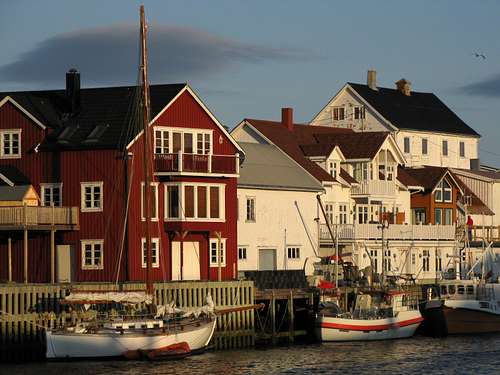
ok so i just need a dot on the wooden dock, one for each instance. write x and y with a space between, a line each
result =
28 309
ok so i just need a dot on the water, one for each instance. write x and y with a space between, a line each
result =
418 355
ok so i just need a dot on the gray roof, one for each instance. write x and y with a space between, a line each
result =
13 193
266 167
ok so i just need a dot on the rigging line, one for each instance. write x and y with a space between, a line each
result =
122 243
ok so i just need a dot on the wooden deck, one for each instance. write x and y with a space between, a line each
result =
39 218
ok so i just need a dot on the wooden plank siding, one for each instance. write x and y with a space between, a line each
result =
27 310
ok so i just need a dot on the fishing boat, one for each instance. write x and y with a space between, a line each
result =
377 316
468 305
141 329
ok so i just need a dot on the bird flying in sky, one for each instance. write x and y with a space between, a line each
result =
479 55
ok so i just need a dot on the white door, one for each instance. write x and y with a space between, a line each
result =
64 264
191 260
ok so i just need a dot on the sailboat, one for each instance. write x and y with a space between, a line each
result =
169 332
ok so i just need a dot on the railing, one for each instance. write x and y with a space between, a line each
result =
195 163
488 233
394 232
375 187
35 215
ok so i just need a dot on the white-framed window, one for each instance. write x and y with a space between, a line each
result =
413 259
359 112
293 252
462 149
214 243
170 140
330 212
438 219
445 148
426 261
51 194
332 168
242 253
390 173
360 171
153 202
425 146
92 254
374 258
406 145
439 264
10 144
155 252
362 214
250 209
343 213
443 192
194 201
338 113
387 260
448 216
91 196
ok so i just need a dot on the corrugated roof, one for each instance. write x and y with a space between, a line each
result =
419 111
108 111
266 166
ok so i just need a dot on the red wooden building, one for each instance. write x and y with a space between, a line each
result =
82 151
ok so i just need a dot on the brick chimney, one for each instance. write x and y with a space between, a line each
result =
404 86
371 79
287 118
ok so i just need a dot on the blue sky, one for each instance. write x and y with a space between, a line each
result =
250 58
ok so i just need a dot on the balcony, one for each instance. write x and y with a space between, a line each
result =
374 187
351 232
192 164
39 218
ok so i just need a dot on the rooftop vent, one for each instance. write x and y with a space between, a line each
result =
287 118
96 133
73 90
371 79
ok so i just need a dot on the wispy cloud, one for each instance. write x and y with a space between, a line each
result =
489 87
110 55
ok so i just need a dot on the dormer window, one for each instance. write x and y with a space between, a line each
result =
359 112
10 144
189 141
332 168
443 192
338 113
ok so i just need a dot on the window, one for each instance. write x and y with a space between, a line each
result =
462 149
387 260
196 202
343 214
190 141
242 253
332 168
419 216
362 214
406 145
51 194
439 264
437 216
338 113
425 263
390 173
92 254
359 112
10 144
360 171
293 252
162 145
153 201
172 199
214 242
91 196
329 212
443 192
413 259
445 148
155 256
250 209
448 216
424 146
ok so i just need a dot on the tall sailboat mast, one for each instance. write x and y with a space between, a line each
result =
147 151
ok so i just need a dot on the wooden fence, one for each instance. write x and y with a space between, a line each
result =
27 309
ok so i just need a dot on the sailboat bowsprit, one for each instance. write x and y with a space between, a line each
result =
171 333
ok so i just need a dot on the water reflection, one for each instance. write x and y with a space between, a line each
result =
419 355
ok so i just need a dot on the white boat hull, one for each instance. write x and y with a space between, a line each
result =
341 329
65 345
